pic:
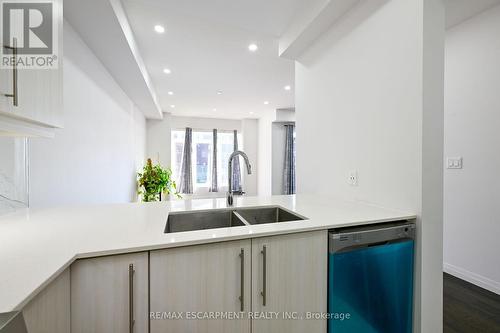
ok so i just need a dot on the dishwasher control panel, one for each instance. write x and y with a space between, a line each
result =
371 235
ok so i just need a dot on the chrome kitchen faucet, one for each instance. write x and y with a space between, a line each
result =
230 173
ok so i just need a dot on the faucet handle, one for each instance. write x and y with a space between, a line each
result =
239 192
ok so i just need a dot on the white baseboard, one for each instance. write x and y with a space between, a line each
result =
473 278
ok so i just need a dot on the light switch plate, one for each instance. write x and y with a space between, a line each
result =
454 163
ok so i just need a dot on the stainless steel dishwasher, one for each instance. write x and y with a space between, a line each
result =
370 282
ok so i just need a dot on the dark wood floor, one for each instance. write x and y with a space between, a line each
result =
468 308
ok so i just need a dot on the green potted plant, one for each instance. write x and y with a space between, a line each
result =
155 180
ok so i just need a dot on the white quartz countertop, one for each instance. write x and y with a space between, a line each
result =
36 245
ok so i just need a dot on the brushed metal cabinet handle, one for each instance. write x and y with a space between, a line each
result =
14 95
242 280
264 275
131 322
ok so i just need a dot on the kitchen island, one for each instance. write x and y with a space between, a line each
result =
36 246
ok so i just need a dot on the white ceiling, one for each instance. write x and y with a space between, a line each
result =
458 11
206 47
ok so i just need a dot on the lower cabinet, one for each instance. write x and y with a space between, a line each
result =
110 294
198 280
289 278
261 285
49 311
281 276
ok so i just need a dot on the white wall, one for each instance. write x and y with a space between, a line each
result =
95 157
472 123
250 130
278 157
354 113
158 140
205 123
13 174
265 150
371 101
285 115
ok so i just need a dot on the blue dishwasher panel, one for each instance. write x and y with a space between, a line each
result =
374 285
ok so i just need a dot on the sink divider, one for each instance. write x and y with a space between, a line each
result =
242 219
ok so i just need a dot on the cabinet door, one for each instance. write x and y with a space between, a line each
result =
202 279
110 294
39 91
49 311
289 277
6 106
40 96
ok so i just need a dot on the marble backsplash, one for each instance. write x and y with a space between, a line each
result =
14 174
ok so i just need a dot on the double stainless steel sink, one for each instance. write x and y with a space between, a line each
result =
228 217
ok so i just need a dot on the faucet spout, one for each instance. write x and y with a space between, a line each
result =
230 191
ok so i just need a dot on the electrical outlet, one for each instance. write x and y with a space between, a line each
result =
353 178
454 163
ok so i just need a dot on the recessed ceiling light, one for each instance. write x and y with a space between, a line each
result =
172 106
219 92
266 102
251 112
170 93
159 29
253 47
214 109
167 71
288 88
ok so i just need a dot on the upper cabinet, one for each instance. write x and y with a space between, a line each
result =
31 95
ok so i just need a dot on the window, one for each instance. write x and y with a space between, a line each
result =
201 157
177 150
225 147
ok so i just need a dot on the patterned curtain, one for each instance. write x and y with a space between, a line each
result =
289 172
214 187
186 181
236 166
